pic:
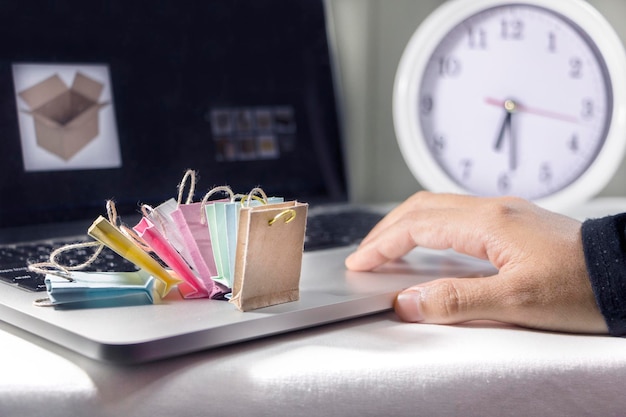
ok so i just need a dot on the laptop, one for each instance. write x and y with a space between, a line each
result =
242 92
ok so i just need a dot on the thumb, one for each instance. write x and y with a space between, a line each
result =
450 300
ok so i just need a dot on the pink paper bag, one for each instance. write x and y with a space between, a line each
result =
191 222
192 286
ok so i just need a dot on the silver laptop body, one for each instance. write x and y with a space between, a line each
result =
243 95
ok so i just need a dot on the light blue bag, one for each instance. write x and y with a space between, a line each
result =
100 289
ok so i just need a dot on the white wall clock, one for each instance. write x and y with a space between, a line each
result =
523 97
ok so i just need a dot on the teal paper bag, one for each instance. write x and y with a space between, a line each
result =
223 219
218 229
100 289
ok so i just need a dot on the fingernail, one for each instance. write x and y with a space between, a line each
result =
407 305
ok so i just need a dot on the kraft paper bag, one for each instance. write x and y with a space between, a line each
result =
222 217
270 242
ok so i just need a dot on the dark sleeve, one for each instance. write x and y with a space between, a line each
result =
604 245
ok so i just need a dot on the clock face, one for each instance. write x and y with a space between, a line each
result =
523 97
517 100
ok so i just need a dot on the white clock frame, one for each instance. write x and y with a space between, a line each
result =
425 40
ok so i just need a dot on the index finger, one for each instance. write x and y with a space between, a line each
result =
435 228
422 200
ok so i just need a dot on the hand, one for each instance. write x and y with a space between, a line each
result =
542 280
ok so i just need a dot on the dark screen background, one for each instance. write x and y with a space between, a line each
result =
172 62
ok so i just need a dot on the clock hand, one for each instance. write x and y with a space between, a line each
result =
533 110
512 140
505 126
510 107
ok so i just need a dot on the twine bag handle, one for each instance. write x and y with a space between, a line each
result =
190 175
55 267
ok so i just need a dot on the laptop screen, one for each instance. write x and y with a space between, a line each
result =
116 99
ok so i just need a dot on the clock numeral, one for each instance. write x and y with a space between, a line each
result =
466 169
449 66
551 42
545 173
575 67
476 38
437 144
512 29
504 183
426 104
572 144
587 110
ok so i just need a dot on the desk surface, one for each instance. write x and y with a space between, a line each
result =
374 366
370 366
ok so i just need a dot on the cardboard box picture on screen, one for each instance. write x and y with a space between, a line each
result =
66 118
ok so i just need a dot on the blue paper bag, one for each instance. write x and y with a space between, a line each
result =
100 289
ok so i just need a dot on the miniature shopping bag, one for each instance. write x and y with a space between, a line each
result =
68 287
108 234
192 287
161 217
215 217
222 218
190 221
99 289
270 242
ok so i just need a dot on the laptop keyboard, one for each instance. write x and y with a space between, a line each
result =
324 231
331 230
15 258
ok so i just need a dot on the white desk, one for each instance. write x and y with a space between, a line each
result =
374 366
